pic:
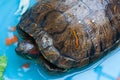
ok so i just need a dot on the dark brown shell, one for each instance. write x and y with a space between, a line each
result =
72 33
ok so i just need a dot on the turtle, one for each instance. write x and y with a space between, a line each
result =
68 34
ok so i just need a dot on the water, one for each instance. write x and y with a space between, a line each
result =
107 68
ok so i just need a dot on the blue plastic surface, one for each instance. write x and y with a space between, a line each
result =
108 68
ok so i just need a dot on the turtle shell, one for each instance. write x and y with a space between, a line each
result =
72 33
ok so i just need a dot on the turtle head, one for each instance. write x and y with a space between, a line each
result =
27 49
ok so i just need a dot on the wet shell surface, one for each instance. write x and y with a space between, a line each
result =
72 33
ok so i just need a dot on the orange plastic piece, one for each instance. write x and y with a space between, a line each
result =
14 39
26 65
8 41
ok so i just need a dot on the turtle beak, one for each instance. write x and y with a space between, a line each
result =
18 50
21 53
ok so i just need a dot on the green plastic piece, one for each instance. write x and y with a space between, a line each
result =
3 64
